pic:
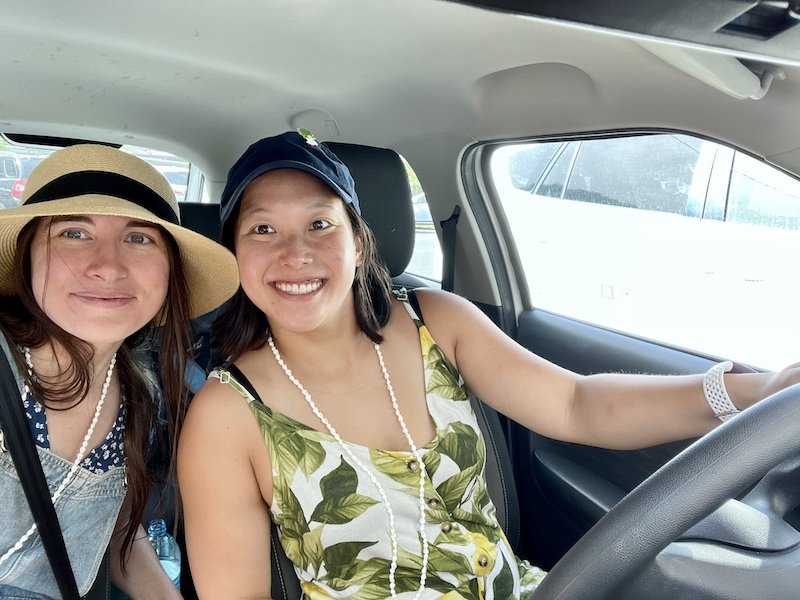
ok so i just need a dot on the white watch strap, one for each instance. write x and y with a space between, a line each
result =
716 394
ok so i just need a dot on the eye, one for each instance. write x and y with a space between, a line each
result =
320 224
263 229
73 234
139 238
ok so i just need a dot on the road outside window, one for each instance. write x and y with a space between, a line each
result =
664 236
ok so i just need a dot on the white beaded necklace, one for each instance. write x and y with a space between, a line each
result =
81 451
367 471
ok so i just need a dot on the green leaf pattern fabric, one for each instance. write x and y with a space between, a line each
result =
335 529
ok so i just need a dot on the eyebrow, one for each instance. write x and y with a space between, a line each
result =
260 210
88 219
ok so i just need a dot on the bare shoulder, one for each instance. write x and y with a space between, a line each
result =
216 401
450 320
220 435
217 412
440 300
445 313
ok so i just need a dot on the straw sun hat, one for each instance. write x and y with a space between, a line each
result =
91 179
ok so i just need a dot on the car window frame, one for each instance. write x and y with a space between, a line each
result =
495 229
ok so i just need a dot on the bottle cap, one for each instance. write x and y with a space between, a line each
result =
157 528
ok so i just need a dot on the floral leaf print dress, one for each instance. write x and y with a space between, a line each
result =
334 528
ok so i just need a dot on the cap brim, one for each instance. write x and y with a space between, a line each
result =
274 166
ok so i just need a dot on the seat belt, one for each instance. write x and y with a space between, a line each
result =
26 461
449 249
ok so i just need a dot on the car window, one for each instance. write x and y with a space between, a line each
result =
526 167
762 195
28 164
18 160
668 237
426 260
555 178
651 173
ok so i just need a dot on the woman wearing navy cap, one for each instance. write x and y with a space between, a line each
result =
344 419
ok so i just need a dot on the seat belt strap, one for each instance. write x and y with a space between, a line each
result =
26 461
449 249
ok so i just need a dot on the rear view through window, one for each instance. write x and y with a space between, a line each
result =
18 160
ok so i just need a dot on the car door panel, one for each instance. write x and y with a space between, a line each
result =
565 488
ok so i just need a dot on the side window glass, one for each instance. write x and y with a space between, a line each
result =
555 179
667 237
762 195
527 166
717 194
426 260
652 172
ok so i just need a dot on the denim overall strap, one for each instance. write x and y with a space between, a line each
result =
34 484
87 512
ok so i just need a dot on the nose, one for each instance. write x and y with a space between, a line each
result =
106 261
295 251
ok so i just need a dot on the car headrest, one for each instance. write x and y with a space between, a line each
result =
385 196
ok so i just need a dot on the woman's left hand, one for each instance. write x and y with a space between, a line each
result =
782 379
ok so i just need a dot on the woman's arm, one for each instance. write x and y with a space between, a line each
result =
610 411
144 578
226 518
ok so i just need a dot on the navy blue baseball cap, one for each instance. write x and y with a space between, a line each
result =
291 150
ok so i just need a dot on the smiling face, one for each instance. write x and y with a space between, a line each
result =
296 251
100 278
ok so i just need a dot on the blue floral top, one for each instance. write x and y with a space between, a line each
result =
109 454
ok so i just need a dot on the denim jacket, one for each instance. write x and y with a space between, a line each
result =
87 512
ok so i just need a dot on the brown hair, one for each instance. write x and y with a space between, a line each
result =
25 324
242 325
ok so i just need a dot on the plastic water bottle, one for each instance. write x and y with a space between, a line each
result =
167 550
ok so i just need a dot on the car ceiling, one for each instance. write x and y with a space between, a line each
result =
426 77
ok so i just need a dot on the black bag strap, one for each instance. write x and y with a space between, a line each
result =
29 469
449 249
414 302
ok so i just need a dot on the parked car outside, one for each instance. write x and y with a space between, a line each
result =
27 164
422 213
10 170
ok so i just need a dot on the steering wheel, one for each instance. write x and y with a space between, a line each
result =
691 486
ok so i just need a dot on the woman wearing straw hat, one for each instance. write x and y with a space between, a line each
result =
90 263
344 417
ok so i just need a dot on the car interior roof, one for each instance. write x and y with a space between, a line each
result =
204 81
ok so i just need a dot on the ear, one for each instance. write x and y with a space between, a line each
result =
359 250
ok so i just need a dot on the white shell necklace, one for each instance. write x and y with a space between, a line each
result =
420 464
81 451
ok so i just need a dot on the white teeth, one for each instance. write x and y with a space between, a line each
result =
299 288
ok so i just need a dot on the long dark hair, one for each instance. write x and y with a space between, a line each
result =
242 325
25 324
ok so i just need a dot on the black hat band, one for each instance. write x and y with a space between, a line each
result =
106 184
